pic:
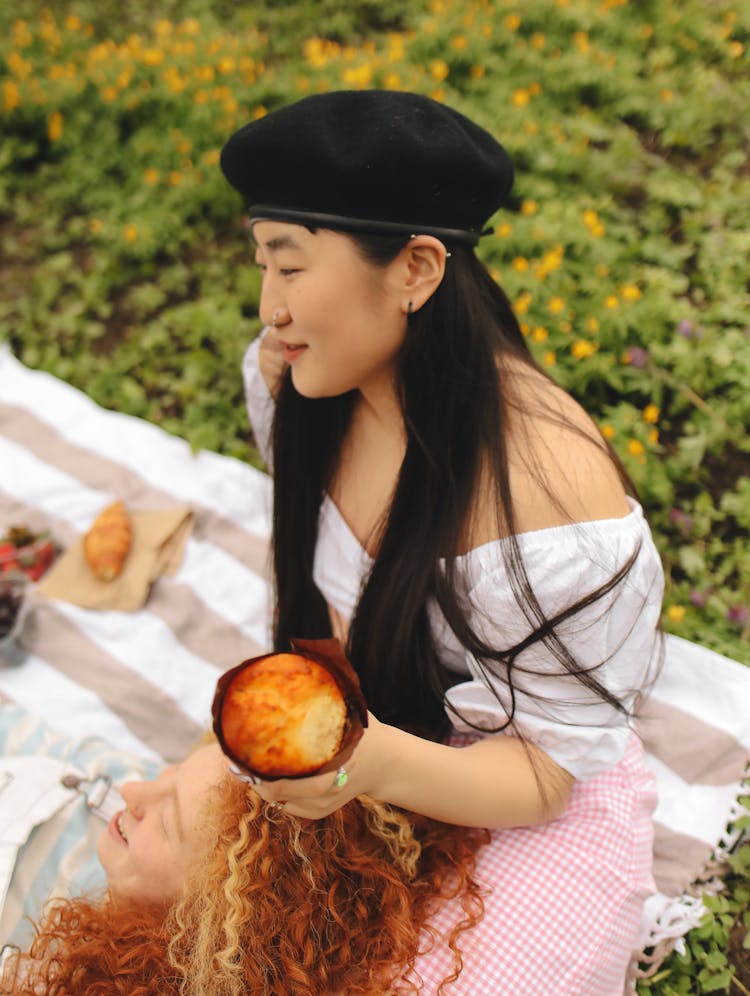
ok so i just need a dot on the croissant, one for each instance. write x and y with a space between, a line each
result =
108 541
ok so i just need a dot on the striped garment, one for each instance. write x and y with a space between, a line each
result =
144 680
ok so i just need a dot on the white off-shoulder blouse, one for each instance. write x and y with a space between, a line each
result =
617 635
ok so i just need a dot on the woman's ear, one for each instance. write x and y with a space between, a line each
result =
423 260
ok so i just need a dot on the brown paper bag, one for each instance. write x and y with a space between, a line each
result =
158 546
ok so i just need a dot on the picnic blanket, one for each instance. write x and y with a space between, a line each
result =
144 680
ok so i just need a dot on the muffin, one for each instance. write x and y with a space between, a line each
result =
290 715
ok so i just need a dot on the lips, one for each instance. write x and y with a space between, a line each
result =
116 828
292 350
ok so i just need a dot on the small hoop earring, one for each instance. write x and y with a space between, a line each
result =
409 310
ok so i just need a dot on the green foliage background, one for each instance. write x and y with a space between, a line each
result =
126 266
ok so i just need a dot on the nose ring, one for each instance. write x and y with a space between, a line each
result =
275 319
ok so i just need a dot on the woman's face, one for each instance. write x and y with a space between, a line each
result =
147 848
340 319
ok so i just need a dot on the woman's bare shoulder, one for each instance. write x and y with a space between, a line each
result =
559 465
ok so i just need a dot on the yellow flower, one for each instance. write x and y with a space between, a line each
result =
598 230
95 226
152 56
191 26
676 613
524 327
520 264
631 293
531 127
736 49
109 94
549 358
520 98
651 414
611 301
512 22
601 270
535 89
174 178
653 437
163 27
552 259
459 42
590 218
11 95
522 303
439 70
539 334
54 126
538 41
581 41
226 64
130 233
211 157
477 72
392 81
72 23
635 447
358 77
565 326
529 207
151 175
608 432
667 96
259 112
582 348
556 305
592 324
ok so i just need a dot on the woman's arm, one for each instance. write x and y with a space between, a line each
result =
496 782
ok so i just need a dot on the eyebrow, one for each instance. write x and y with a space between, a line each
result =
280 242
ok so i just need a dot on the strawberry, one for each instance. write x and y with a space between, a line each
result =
35 571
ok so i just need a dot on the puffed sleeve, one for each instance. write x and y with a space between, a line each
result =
616 638
258 399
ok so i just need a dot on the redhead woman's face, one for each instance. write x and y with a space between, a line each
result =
148 847
340 319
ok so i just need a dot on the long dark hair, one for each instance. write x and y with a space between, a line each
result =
455 408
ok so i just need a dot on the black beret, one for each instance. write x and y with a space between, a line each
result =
370 161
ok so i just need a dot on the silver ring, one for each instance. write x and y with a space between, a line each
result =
340 778
244 776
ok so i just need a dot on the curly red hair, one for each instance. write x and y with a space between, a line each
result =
279 906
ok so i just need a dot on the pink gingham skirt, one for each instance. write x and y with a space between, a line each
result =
565 898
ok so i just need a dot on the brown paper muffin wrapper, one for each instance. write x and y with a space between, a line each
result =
330 655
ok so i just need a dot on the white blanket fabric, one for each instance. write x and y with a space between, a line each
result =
144 681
